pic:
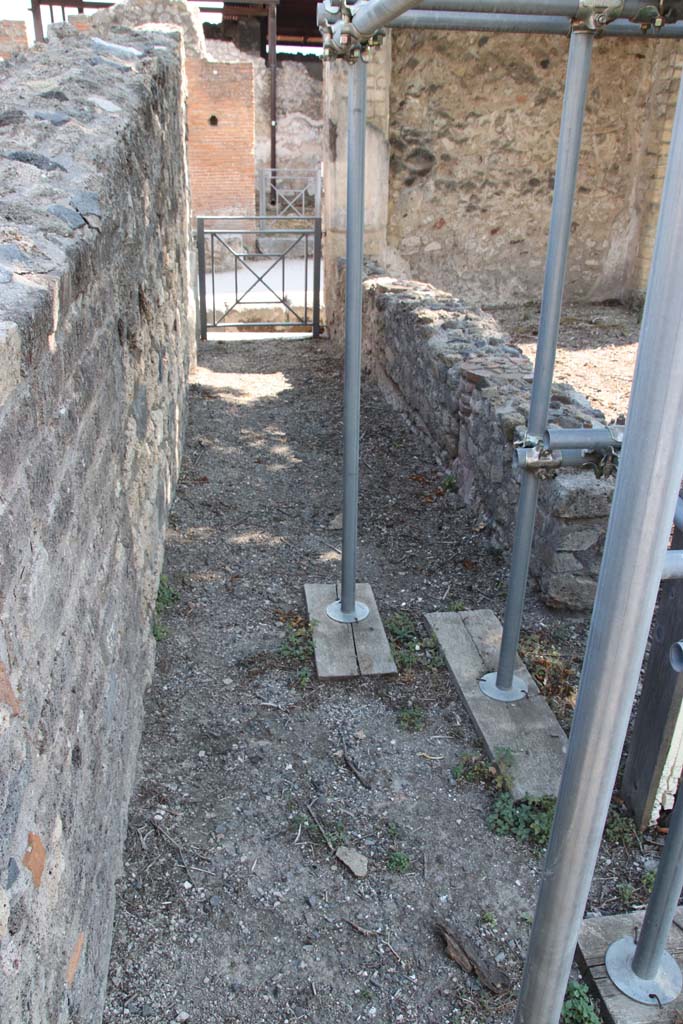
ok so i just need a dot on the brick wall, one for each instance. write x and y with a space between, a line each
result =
13 38
221 156
95 347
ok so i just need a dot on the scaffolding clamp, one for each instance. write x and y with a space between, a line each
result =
593 15
341 38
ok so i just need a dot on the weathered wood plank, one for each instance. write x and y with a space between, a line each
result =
597 934
372 647
524 737
334 649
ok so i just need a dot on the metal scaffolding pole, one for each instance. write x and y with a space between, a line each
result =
643 969
503 684
559 8
645 497
348 609
272 65
522 24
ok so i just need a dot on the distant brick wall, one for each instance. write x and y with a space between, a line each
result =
221 156
13 38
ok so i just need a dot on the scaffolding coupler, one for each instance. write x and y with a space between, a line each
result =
596 448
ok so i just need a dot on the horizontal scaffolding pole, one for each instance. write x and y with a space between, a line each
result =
673 565
559 8
522 24
369 17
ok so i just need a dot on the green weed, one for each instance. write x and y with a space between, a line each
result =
410 646
166 595
620 829
298 642
626 892
412 719
159 631
398 862
529 819
578 1007
648 881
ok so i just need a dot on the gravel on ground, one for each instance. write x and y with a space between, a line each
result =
233 906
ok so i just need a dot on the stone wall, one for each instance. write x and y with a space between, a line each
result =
95 348
474 127
472 122
450 368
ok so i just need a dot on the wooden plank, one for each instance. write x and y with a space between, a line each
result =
372 647
524 738
342 650
334 649
597 934
660 705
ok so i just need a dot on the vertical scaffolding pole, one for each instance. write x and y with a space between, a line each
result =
272 64
643 969
348 609
503 684
650 471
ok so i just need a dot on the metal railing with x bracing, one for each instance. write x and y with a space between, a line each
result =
289 192
259 272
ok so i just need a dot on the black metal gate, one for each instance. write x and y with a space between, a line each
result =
259 272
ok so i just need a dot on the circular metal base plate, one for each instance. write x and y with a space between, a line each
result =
488 686
360 612
663 988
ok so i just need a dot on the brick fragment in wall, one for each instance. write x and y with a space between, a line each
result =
96 342
13 38
448 366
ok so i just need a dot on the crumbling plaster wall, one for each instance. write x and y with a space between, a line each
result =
450 368
96 341
469 131
474 127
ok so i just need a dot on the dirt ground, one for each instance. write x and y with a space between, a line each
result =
596 352
232 908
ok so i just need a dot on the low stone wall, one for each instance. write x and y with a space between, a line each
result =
451 369
95 347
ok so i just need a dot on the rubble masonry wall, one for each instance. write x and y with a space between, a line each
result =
96 341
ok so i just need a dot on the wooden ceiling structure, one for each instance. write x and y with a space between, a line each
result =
295 19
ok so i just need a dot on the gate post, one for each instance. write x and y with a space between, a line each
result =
201 274
317 253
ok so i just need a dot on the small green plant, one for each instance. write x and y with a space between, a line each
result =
298 642
303 677
626 892
455 606
529 819
398 862
648 880
393 830
166 595
159 631
578 1007
409 647
620 829
412 719
448 482
488 918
